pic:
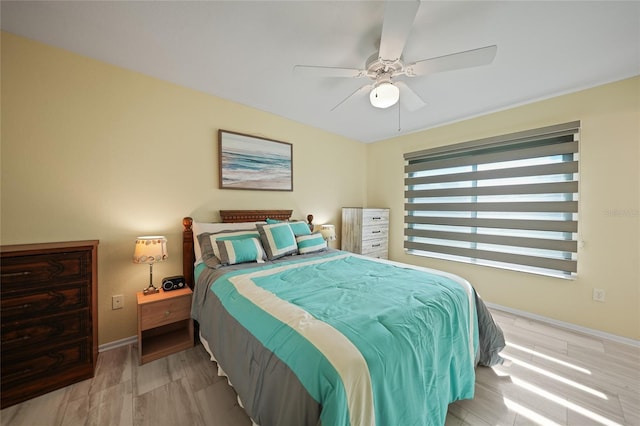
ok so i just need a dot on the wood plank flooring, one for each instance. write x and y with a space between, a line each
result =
552 377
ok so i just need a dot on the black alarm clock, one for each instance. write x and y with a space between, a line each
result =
173 283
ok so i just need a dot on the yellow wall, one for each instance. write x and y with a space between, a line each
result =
92 151
608 217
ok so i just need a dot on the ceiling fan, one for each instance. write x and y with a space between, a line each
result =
385 65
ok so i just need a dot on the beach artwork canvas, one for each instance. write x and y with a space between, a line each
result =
250 162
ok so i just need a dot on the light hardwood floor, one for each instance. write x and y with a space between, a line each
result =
552 376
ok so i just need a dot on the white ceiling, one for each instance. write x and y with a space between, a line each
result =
245 51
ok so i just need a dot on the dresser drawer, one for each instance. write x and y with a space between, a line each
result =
18 335
374 245
374 232
44 362
378 254
165 312
372 217
45 269
25 305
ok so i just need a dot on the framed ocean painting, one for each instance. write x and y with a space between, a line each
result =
251 162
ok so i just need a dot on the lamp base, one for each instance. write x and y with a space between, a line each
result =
150 290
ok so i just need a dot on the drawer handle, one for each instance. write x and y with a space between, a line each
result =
19 339
375 245
25 306
167 313
376 218
16 274
376 232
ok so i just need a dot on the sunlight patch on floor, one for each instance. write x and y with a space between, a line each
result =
564 402
548 358
529 414
554 376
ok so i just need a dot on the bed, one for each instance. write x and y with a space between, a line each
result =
310 336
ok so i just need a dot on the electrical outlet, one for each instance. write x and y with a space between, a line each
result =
598 295
117 301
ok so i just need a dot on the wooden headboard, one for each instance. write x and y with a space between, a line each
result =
227 216
235 216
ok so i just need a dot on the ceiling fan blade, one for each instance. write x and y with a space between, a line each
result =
364 88
408 98
398 19
454 61
316 71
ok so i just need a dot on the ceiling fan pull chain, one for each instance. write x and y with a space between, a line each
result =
399 127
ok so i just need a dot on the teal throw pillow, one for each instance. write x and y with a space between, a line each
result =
240 251
278 240
300 228
311 243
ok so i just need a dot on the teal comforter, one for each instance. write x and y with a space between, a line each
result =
372 343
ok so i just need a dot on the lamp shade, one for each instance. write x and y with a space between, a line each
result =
328 232
384 95
150 249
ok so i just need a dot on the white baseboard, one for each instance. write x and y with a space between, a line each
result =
117 343
567 325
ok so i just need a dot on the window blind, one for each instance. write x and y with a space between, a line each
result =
509 201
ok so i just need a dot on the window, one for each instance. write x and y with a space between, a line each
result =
509 201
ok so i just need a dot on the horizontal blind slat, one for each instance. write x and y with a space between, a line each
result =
533 225
468 160
537 243
568 167
516 259
547 206
538 188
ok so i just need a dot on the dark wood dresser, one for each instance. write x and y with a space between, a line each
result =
49 317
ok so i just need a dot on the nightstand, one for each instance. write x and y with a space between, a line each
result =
164 323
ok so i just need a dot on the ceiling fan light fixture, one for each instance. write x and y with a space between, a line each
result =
384 95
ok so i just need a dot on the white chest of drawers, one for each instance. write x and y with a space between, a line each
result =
366 231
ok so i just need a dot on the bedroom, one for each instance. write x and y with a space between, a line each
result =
94 151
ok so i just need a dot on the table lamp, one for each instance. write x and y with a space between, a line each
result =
150 250
328 232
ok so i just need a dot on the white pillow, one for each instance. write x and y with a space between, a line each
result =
202 227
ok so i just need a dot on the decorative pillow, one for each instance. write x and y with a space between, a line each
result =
240 251
300 228
214 227
311 243
210 252
278 240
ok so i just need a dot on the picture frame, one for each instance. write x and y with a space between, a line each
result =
254 163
